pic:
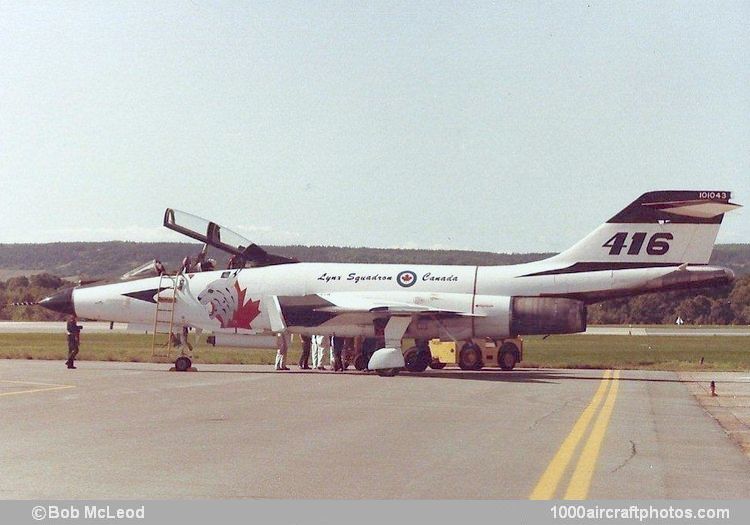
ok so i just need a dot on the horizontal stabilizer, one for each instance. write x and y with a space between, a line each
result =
692 207
697 208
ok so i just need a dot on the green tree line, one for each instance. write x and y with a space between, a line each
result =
724 305
29 289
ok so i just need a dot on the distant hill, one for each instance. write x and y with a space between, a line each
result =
109 259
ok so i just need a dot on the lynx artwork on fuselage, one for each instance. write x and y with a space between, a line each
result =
662 241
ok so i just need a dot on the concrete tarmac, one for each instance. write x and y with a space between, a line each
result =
135 430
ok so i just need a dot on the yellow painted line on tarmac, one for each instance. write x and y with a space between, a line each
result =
580 482
546 487
46 387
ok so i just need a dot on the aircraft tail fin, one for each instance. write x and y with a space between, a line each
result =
658 228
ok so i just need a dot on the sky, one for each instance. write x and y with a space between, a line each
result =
506 127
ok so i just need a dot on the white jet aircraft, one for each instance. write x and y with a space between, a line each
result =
661 241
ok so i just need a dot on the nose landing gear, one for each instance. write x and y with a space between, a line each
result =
183 364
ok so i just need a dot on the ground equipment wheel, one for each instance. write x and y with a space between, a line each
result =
470 357
508 356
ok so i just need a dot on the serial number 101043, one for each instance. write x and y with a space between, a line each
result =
723 195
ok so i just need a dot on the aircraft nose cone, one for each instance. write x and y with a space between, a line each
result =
60 302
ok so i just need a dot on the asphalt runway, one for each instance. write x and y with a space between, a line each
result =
134 430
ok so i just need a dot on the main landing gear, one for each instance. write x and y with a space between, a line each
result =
418 357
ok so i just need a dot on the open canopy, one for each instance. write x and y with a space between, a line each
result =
221 238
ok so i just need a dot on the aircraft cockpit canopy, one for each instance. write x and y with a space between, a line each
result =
148 269
222 238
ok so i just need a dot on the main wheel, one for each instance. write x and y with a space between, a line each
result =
386 372
417 359
182 364
470 357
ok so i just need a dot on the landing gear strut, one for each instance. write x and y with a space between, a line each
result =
388 360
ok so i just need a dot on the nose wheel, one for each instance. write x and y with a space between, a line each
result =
183 364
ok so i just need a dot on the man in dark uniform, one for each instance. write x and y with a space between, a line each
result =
74 338
304 359
372 344
338 349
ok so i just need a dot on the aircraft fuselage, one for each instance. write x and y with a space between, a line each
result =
480 297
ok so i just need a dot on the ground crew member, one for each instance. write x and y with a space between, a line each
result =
358 358
320 343
336 350
283 347
304 359
74 339
373 344
347 356
184 338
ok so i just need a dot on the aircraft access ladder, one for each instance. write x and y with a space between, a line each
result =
164 316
